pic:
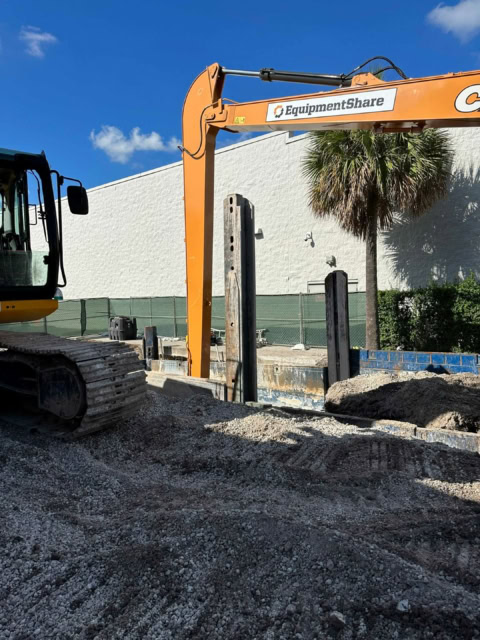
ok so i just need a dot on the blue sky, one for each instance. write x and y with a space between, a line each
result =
72 70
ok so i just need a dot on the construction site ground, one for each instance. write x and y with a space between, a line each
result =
202 519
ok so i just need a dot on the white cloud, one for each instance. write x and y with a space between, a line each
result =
36 40
119 148
463 19
244 135
232 138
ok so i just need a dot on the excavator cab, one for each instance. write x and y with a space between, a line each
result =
67 387
29 242
31 235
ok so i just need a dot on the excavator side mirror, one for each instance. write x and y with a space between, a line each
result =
77 200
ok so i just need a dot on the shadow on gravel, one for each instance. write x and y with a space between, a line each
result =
201 520
438 401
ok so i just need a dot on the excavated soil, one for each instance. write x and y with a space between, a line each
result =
425 399
200 519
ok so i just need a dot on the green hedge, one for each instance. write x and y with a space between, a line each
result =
435 318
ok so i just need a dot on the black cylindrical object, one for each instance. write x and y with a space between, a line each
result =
122 328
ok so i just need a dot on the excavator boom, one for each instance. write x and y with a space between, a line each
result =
362 101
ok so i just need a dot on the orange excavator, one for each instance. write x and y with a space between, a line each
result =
361 100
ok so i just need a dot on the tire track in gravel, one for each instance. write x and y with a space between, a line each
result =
445 543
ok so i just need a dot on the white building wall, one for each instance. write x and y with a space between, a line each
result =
132 242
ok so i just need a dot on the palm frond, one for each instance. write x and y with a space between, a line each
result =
348 170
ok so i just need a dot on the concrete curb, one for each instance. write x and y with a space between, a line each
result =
182 387
453 439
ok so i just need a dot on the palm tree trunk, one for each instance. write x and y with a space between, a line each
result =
371 304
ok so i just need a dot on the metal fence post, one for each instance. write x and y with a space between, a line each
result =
109 311
300 313
83 317
174 317
45 325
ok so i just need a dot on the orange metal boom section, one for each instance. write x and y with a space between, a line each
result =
451 100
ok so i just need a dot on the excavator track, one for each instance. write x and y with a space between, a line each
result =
78 386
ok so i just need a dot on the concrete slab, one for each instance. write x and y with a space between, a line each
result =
183 387
269 354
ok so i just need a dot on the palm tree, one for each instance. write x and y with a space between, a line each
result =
362 179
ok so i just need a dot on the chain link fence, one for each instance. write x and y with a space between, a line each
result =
282 319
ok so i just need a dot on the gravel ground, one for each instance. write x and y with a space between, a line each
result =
200 519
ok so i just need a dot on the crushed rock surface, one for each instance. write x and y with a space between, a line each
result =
200 519
438 401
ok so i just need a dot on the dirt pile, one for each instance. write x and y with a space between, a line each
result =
425 399
200 519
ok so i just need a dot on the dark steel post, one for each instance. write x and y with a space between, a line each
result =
338 329
150 346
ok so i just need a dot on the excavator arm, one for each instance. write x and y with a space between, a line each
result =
362 101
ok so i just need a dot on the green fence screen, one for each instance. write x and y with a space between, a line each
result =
282 319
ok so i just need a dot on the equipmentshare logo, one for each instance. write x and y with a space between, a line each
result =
361 102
